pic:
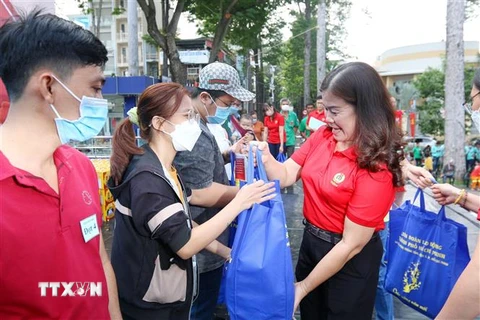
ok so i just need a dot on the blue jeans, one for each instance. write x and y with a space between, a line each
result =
383 299
204 306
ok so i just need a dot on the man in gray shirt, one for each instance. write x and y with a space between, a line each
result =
203 171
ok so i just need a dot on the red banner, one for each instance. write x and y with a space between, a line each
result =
412 121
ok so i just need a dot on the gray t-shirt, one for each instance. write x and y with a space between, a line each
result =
198 169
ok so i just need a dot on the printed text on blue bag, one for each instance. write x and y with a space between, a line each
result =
425 249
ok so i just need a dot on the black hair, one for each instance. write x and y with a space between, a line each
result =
310 104
377 137
215 94
476 79
41 40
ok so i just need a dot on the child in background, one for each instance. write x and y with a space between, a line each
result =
428 162
246 122
475 177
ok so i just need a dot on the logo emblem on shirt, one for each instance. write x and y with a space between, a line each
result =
337 179
87 198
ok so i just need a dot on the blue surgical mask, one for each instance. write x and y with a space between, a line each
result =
234 111
93 115
221 114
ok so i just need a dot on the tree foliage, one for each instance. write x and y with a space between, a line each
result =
291 76
237 22
431 89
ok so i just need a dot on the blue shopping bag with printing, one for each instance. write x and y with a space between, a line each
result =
232 228
259 278
426 254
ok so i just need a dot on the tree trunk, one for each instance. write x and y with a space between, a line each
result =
321 43
93 27
166 41
221 31
165 11
177 68
99 16
307 52
259 86
454 87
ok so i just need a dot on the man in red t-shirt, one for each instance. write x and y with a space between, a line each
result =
53 263
318 114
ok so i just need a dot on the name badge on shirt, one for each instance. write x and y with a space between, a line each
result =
89 228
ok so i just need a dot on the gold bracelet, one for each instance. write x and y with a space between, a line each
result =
464 199
460 196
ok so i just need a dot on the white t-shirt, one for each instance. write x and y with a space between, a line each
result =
223 143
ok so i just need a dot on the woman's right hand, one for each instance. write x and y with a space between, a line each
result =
445 193
256 192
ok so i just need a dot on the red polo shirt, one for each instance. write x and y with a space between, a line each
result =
317 115
335 188
273 128
42 244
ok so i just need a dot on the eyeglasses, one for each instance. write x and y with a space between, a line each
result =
226 104
468 104
192 116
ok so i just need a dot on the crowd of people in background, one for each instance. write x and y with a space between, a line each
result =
172 195
432 158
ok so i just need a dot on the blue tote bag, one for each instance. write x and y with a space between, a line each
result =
260 279
232 228
281 157
426 254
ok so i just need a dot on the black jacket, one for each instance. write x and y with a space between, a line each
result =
152 224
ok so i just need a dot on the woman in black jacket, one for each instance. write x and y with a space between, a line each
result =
155 241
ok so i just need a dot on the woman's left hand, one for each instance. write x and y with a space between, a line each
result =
239 146
300 293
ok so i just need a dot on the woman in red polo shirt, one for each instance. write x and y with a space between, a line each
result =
349 171
274 130
463 300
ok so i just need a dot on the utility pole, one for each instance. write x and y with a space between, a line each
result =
132 22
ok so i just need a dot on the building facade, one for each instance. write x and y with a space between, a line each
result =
404 63
113 33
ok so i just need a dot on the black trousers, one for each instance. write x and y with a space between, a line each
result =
350 293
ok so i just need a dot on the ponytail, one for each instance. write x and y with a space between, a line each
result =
124 146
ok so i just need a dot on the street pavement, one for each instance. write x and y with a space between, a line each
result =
293 203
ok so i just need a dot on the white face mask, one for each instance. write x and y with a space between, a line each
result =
475 114
476 119
285 107
185 135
